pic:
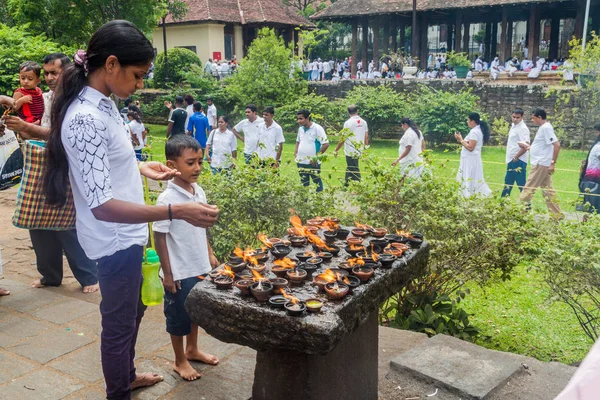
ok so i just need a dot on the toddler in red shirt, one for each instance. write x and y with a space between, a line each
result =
28 98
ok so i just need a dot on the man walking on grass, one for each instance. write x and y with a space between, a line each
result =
517 155
354 143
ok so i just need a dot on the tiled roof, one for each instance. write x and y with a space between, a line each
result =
241 12
347 8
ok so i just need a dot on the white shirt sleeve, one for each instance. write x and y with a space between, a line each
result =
171 116
239 127
233 142
321 136
549 136
162 226
209 141
524 135
280 138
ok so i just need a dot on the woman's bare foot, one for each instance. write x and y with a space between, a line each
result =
4 292
37 284
186 371
197 355
91 289
145 379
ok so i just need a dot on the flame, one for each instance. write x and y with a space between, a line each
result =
346 280
338 277
373 254
253 260
308 254
356 247
263 238
330 226
328 276
353 262
257 276
299 229
226 271
320 243
291 298
403 233
285 263
238 252
361 226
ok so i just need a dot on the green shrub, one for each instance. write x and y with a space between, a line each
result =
458 59
179 61
329 114
198 79
500 128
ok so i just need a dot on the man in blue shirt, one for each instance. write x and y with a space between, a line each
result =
198 126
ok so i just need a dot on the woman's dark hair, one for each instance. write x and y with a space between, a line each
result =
412 125
485 128
224 118
118 38
135 116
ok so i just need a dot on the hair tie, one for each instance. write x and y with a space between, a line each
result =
80 59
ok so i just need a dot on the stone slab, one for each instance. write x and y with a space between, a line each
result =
88 393
171 380
14 329
65 311
28 300
462 367
12 367
84 363
43 384
151 337
208 344
50 345
14 287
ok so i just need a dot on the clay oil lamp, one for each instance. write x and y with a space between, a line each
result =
305 255
336 291
274 241
286 242
245 274
278 284
339 273
320 245
415 240
353 249
349 264
279 251
381 243
367 228
322 279
403 235
261 290
282 266
358 232
351 281
391 238
363 273
330 237
396 249
333 220
379 232
313 305
215 272
298 241
293 306
260 268
387 260
296 276
353 240
237 268
277 301
325 256
309 268
234 258
342 233
244 286
316 261
224 279
317 221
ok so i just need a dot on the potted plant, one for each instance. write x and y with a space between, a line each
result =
401 61
460 62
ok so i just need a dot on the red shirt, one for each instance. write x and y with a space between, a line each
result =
33 111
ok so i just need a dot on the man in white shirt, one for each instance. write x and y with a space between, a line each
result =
357 140
326 71
544 153
270 139
249 127
516 153
208 67
310 143
189 107
211 113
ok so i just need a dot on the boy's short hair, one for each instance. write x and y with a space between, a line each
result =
540 113
178 143
179 100
518 111
269 110
189 100
197 106
31 66
305 113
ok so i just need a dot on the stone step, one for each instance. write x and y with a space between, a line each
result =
474 372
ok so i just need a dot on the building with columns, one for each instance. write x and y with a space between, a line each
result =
544 27
223 29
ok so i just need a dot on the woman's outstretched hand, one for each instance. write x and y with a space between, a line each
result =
157 171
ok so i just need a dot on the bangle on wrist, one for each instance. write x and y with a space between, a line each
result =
170 213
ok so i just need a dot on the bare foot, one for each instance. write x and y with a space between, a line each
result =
186 371
91 289
4 292
37 284
145 379
197 355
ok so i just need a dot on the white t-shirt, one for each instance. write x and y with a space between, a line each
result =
474 134
223 145
250 130
102 167
269 140
47 117
211 114
190 111
542 147
518 133
188 249
307 140
138 130
359 128
411 139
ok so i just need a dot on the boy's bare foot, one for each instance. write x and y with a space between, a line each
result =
145 379
91 289
37 284
186 371
4 292
197 355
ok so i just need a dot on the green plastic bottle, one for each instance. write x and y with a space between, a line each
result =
152 288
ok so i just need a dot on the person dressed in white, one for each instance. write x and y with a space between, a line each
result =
311 142
314 67
336 76
138 134
470 171
320 69
326 71
354 144
249 127
221 147
517 155
412 144
270 139
211 113
479 64
526 65
495 68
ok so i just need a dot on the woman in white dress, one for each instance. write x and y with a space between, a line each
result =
412 145
470 171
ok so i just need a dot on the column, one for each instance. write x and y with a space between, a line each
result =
494 48
509 40
458 31
394 33
414 48
535 51
375 28
487 41
365 43
467 37
423 45
354 47
503 36
403 44
554 36
386 35
579 19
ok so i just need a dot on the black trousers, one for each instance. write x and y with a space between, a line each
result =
49 246
352 171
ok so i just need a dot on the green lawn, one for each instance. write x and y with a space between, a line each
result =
516 315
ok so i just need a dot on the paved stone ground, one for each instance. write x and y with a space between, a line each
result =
50 345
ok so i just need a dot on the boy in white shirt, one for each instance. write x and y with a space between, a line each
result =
270 139
249 127
185 254
354 144
516 153
310 143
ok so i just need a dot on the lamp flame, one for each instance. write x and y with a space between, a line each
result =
353 262
285 263
291 298
263 238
